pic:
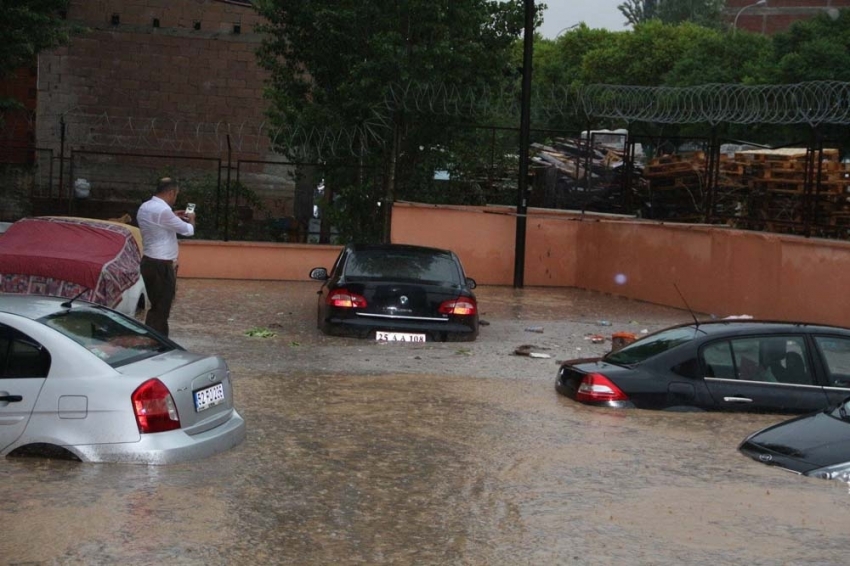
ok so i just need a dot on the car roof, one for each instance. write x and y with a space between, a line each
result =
33 306
398 247
752 326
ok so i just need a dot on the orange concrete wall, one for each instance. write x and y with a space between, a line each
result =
205 259
720 271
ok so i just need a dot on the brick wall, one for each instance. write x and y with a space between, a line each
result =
165 77
173 73
777 15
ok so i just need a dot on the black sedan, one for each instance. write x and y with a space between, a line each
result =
397 293
731 365
815 445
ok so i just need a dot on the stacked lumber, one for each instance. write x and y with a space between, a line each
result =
676 187
781 198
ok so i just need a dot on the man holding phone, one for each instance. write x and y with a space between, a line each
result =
159 226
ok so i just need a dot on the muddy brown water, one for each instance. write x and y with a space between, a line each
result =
463 466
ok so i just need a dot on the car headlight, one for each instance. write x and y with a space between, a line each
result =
839 472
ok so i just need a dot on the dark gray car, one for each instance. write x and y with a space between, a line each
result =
730 365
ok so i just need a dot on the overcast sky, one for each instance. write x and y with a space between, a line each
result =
595 13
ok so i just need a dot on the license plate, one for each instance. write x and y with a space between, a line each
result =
209 397
382 336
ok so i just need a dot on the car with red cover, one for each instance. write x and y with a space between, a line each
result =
93 260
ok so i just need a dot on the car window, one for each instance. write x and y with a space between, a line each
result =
21 356
111 336
688 368
402 266
717 360
774 359
835 352
652 345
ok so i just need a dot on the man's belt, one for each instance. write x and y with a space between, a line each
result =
155 260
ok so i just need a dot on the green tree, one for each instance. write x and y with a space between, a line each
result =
703 12
26 28
814 49
638 11
332 61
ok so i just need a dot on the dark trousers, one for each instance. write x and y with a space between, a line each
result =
161 284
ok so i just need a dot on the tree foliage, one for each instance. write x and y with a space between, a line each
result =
686 54
332 61
814 49
26 28
702 12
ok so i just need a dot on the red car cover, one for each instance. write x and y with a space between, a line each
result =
66 256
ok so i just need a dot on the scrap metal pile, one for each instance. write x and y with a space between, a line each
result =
572 174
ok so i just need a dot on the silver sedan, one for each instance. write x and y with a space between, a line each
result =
84 381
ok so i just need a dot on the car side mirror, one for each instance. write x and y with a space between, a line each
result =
470 282
319 274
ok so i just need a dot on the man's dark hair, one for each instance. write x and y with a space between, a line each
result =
165 184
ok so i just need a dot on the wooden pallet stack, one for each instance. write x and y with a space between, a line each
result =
677 187
776 179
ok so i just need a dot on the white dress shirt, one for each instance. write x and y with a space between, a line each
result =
160 226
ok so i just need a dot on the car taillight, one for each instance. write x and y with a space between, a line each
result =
463 306
154 407
597 387
342 298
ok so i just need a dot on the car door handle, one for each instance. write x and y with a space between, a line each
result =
737 400
11 398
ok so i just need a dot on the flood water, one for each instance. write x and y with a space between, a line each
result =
345 467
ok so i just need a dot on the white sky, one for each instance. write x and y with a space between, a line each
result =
594 13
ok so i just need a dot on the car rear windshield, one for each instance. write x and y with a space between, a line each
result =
652 345
403 266
114 338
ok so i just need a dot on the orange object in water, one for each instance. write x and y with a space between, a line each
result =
620 339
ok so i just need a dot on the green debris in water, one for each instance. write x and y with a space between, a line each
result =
258 332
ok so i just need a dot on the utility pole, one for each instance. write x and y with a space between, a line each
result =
524 141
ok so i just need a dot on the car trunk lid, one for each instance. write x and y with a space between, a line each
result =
399 300
200 386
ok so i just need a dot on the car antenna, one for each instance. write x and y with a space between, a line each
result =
687 305
67 304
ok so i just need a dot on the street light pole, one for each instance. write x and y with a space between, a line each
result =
568 28
735 23
524 141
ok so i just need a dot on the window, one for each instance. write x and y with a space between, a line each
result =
835 352
775 359
402 266
21 356
717 360
112 337
652 345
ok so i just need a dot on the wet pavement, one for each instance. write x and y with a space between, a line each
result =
435 454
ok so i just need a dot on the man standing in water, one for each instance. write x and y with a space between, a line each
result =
159 226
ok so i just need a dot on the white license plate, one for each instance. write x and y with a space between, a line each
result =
382 336
209 397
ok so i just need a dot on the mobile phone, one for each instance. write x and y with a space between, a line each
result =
190 208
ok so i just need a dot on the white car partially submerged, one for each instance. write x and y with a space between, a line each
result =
81 380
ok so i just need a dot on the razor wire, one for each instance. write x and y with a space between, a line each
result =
179 135
813 103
